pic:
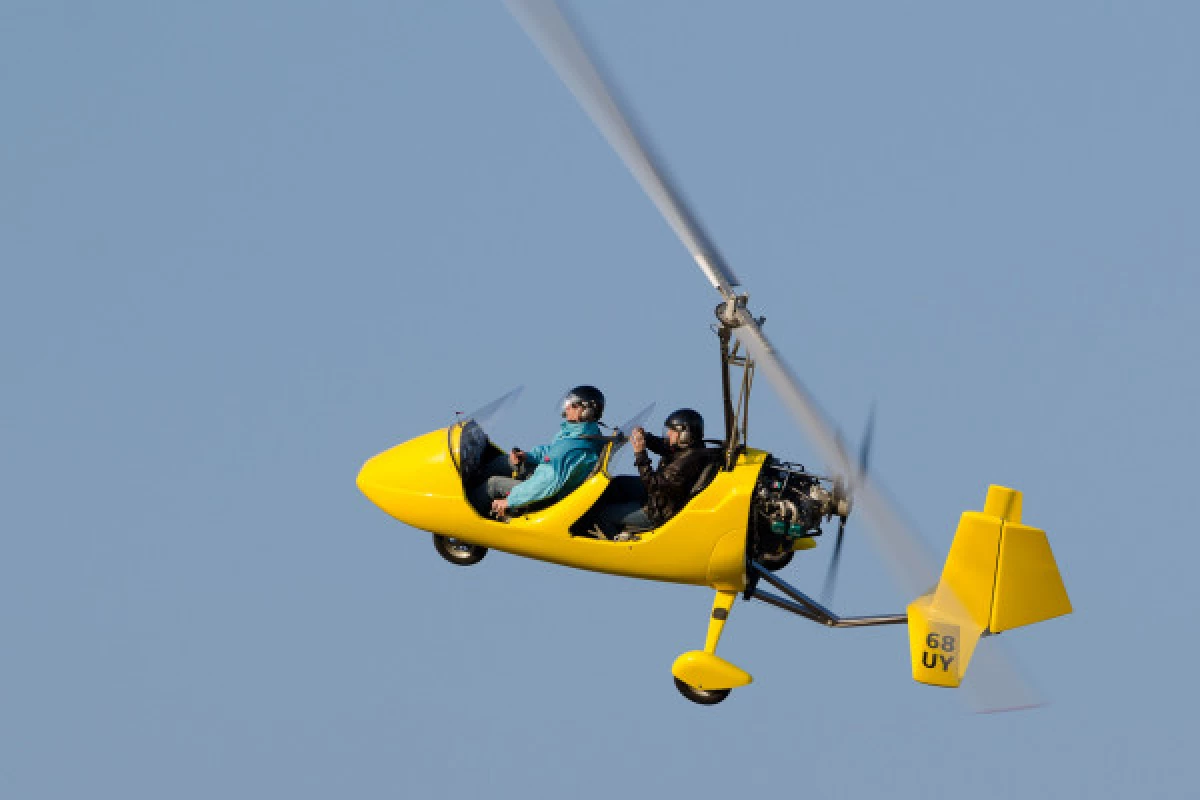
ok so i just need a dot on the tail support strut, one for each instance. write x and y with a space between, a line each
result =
801 604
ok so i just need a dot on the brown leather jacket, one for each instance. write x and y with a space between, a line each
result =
670 486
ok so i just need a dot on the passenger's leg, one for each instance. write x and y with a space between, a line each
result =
617 517
637 521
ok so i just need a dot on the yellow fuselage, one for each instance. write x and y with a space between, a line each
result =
418 483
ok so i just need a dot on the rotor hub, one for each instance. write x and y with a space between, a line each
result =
727 311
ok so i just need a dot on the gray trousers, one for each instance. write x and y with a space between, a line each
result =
627 516
499 482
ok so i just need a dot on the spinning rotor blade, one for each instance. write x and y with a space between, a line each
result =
999 686
550 31
911 562
994 682
802 405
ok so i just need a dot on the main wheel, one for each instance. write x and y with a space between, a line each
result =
705 698
458 552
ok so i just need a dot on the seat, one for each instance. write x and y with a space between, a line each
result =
709 473
602 461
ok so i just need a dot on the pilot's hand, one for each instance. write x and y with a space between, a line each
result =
638 439
516 456
500 507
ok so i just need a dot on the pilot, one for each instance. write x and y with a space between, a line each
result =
549 471
664 491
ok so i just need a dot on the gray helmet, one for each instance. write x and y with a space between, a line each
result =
589 398
690 425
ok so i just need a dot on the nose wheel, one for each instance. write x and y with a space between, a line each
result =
705 698
457 552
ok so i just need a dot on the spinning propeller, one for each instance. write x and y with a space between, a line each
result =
996 684
843 489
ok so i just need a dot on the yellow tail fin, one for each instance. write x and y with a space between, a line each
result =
998 575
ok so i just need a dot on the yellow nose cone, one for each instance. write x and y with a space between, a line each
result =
407 476
373 477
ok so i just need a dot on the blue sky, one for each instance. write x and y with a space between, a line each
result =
245 247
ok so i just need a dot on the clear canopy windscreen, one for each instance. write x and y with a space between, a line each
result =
638 420
488 414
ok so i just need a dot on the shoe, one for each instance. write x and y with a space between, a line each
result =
626 536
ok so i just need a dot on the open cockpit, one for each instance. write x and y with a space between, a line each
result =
473 451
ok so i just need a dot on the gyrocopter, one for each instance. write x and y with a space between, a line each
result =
751 511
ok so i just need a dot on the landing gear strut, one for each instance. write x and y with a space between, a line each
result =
701 675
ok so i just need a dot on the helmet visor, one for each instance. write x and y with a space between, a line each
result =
569 401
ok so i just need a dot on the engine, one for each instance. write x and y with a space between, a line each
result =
790 503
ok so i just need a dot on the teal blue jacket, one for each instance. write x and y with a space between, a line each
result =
562 465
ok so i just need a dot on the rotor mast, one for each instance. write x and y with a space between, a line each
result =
736 413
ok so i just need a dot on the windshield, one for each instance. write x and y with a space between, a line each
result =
637 420
487 414
473 442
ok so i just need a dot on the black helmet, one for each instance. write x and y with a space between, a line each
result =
589 398
690 426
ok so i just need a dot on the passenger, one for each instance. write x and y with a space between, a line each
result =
661 493
520 479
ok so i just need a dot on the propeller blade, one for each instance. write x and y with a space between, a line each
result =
864 451
831 573
545 24
1000 686
851 483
